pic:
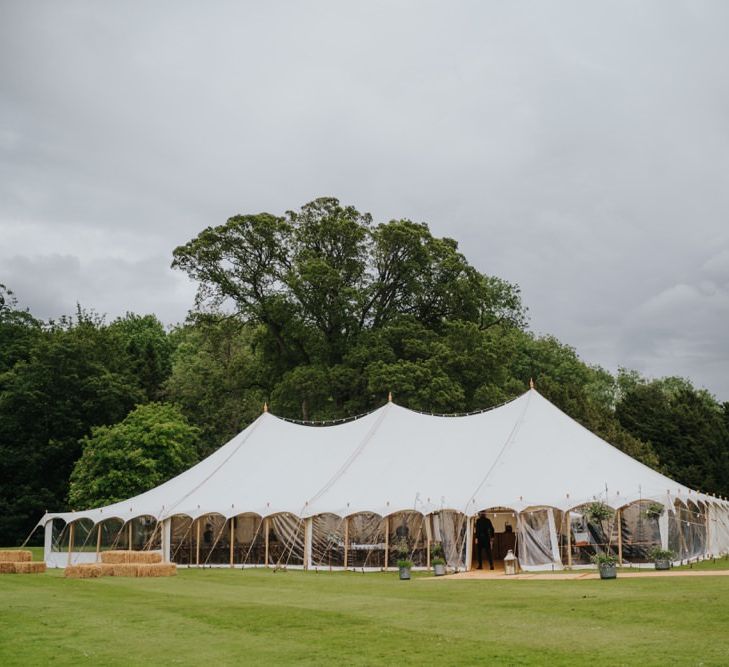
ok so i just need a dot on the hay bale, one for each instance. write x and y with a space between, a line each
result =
15 556
84 571
157 570
119 557
30 568
7 568
125 570
107 569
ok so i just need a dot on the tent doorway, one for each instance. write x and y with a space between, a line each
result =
503 520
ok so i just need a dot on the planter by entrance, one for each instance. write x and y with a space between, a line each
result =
439 569
404 573
663 564
608 571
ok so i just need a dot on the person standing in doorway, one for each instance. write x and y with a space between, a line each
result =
484 538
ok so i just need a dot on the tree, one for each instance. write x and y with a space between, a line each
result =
149 350
152 444
686 427
218 378
71 375
318 278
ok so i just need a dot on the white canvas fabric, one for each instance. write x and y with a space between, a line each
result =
526 453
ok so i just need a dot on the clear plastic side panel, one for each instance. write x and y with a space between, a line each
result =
535 539
286 540
689 540
694 528
84 536
249 547
146 533
640 531
675 537
210 529
327 540
111 532
408 539
366 540
719 527
590 536
449 530
182 548
59 536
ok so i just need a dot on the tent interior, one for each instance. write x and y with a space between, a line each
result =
542 538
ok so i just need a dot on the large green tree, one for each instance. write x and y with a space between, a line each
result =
152 444
319 277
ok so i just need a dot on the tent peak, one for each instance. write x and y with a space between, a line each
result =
389 397
265 406
531 383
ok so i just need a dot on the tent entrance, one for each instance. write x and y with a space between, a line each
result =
504 521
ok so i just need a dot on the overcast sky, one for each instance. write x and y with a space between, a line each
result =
579 149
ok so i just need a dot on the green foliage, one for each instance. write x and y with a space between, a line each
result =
148 350
686 427
662 554
598 512
149 446
217 378
604 559
654 510
404 563
74 375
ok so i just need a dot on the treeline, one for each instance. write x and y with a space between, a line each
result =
325 312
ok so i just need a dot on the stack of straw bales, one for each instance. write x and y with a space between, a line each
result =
19 562
124 564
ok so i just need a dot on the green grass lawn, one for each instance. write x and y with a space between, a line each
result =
214 617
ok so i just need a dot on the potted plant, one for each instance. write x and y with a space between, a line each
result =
607 564
662 558
404 564
437 560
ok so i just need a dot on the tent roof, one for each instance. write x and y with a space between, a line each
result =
522 454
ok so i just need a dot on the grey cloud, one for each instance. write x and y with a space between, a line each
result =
579 149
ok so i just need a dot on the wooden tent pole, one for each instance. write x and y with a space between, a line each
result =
620 537
346 541
70 541
197 544
387 541
265 532
129 548
98 541
569 539
232 538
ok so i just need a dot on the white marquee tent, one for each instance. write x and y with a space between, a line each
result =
344 495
